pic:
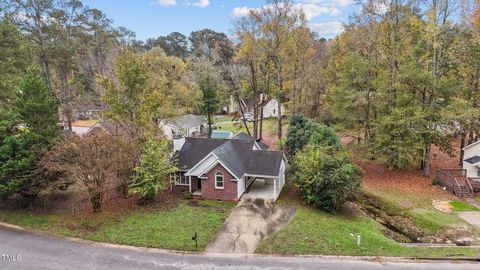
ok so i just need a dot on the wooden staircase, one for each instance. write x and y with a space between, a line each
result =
464 190
456 182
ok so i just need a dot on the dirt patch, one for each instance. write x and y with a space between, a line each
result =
443 206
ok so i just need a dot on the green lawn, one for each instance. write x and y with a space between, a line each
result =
269 125
169 229
462 206
316 232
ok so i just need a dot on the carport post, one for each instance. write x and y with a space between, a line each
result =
190 183
274 188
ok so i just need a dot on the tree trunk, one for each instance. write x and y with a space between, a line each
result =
209 117
462 145
426 163
279 103
255 124
242 113
261 124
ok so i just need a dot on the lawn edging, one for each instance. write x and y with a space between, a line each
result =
9 226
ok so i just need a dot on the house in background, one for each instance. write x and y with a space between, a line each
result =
466 181
471 160
111 128
268 104
227 169
184 126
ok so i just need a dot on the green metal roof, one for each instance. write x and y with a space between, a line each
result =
221 134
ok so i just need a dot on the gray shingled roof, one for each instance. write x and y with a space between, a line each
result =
194 150
186 121
245 136
237 155
473 160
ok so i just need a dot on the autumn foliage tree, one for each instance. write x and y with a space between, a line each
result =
92 160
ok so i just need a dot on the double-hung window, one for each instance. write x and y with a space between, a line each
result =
181 179
219 181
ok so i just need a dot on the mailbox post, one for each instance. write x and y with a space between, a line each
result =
194 238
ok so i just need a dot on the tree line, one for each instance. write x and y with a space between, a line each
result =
403 76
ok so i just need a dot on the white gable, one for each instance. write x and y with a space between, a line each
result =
203 165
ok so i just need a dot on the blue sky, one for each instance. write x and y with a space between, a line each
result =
153 18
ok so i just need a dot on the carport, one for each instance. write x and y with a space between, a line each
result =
260 187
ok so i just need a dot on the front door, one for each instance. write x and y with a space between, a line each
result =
199 184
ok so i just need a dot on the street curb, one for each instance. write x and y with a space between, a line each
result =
233 255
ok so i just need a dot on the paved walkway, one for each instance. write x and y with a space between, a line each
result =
472 217
248 224
45 252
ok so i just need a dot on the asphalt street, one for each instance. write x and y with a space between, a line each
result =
22 250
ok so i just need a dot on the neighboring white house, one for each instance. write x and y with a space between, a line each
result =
471 160
269 105
184 126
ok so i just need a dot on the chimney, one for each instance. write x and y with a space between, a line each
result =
261 97
178 143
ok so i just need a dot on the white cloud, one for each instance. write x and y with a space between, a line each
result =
327 29
239 12
310 10
331 3
166 2
202 3
313 10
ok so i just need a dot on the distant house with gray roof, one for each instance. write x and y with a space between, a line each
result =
188 125
227 169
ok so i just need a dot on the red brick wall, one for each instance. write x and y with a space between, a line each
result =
229 191
182 188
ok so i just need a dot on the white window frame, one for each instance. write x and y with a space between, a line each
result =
179 178
217 174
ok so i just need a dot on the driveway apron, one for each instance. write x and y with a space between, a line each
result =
251 221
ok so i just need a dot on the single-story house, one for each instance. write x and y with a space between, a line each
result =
81 127
184 126
227 169
109 127
268 104
471 160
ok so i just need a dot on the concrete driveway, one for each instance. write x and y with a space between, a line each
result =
251 221
472 217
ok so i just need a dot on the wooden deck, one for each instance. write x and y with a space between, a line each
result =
456 182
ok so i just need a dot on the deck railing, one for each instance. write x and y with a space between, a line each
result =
448 179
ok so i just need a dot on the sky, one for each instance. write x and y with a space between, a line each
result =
153 18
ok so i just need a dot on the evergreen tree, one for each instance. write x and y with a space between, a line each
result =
26 133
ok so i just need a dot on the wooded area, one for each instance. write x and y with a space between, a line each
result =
403 76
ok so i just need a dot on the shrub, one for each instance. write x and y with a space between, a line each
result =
325 178
151 176
303 131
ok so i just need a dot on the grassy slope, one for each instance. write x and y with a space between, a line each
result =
316 232
461 206
170 229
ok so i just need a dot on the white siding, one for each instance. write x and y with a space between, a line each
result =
241 187
202 166
474 150
271 109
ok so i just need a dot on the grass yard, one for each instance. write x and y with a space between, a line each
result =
316 232
169 229
462 206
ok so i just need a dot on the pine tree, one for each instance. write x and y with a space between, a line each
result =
26 132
